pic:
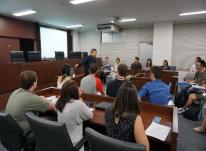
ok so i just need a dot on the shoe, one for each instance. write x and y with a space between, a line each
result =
199 129
181 111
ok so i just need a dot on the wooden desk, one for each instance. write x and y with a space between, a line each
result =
46 70
148 112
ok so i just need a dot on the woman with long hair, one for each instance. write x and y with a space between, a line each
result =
72 111
165 65
66 75
148 64
123 120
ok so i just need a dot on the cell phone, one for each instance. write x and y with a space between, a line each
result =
156 119
90 104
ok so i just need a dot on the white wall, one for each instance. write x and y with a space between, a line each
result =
126 50
189 41
162 42
89 40
76 41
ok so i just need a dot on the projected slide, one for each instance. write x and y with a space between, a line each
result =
52 40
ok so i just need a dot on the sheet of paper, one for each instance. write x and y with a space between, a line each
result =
198 87
158 131
92 109
170 103
53 99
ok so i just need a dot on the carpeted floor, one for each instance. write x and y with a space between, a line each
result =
189 140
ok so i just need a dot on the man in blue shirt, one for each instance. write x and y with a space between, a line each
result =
157 91
87 61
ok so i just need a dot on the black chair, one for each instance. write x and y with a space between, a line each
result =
11 135
32 56
99 142
59 55
2 148
51 136
84 54
17 56
78 55
172 68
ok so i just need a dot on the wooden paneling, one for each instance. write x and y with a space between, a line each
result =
10 27
6 46
11 30
9 77
3 101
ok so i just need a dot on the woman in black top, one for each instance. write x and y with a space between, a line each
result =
136 65
165 65
123 120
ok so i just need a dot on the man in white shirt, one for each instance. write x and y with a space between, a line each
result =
193 67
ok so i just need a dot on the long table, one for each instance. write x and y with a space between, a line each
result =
148 112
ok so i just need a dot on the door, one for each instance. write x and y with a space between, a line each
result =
6 46
145 52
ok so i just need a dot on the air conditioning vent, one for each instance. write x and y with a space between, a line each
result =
108 28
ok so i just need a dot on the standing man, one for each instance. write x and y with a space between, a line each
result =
87 61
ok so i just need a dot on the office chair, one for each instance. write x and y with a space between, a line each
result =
51 136
59 55
11 135
32 56
17 56
2 148
77 54
172 68
99 142
84 54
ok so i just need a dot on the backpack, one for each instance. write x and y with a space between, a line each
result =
181 98
193 112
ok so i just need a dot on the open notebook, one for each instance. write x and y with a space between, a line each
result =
158 131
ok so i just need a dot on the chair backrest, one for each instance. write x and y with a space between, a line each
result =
77 54
49 135
84 54
59 55
172 68
11 135
2 148
33 56
99 142
17 56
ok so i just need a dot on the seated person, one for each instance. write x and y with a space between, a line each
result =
107 65
201 72
198 95
157 91
202 128
23 100
72 111
92 84
114 85
66 72
106 69
193 67
165 65
136 65
116 64
123 120
148 64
